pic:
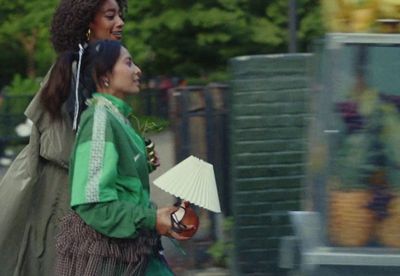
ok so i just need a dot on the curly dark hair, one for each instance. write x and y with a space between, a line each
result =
71 22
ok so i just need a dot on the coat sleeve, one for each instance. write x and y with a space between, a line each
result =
56 136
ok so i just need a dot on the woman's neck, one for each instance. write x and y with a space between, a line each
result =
110 92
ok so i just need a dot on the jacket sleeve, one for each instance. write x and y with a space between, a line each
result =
94 167
95 195
117 219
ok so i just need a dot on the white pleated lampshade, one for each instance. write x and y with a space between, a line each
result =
193 180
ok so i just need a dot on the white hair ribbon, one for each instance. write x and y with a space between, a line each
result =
76 110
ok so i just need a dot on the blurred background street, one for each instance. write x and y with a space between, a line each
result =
295 103
195 261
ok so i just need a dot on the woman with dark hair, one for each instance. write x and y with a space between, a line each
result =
34 192
113 229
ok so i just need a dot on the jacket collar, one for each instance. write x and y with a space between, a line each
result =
122 106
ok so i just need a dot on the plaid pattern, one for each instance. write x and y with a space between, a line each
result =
85 252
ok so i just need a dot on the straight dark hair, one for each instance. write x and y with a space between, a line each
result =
98 60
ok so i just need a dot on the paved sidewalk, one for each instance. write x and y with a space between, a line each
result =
2 171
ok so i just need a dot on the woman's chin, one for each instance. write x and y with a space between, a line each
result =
133 91
116 37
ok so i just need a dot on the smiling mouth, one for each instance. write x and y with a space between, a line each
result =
118 35
136 81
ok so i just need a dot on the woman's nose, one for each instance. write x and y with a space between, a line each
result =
120 21
138 71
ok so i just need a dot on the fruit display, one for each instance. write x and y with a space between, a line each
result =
364 205
387 231
356 136
350 222
361 15
389 9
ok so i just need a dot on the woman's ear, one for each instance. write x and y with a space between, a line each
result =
106 79
106 82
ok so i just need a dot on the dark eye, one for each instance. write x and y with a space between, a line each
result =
110 16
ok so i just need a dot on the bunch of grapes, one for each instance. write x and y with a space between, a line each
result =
349 113
394 99
380 201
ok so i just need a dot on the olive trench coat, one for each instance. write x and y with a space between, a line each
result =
34 196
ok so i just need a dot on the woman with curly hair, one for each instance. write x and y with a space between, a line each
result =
34 192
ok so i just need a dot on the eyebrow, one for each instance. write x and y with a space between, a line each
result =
111 10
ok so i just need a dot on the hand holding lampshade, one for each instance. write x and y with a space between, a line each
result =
193 181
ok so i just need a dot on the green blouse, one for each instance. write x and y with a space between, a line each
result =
109 174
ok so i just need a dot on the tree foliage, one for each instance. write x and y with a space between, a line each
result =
24 32
189 38
198 37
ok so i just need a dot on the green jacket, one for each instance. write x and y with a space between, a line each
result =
109 176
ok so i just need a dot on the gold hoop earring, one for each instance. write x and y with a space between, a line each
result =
88 35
